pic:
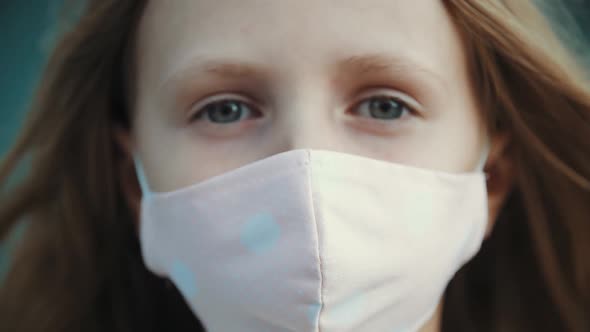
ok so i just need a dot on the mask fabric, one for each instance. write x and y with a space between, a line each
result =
313 240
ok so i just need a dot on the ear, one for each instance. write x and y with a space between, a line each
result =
500 177
128 182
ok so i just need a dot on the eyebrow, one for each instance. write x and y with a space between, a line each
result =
378 63
220 68
351 66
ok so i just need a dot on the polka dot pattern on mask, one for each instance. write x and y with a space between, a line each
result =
260 233
313 311
348 310
184 279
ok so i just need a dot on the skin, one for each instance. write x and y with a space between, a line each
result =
303 75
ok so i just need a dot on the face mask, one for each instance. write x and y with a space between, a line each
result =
311 240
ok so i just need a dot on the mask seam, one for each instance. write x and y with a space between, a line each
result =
319 255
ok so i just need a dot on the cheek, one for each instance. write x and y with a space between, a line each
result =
451 142
174 156
180 159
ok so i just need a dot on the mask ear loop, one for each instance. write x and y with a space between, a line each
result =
141 178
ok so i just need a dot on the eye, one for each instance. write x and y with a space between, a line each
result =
383 107
225 112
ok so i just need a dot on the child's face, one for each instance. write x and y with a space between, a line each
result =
385 79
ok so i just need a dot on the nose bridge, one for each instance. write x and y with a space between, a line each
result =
306 132
306 124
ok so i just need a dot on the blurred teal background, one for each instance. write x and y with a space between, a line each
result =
27 30
29 27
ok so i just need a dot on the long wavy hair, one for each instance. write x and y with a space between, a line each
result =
79 267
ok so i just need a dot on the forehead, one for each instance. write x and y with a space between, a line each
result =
292 34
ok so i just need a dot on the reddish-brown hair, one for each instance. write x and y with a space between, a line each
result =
79 267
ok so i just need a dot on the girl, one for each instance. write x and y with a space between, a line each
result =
349 165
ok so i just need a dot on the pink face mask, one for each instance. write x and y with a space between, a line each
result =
311 240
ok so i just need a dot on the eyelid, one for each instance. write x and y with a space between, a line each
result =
198 106
414 106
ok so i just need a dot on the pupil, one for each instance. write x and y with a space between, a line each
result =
225 112
386 108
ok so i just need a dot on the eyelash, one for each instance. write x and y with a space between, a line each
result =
202 114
